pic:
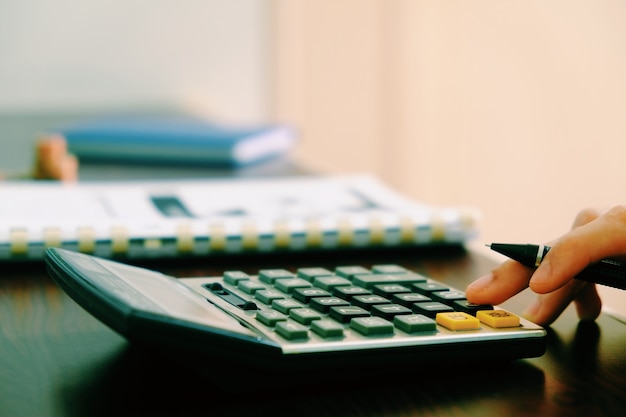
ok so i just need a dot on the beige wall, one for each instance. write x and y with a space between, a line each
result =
211 56
515 107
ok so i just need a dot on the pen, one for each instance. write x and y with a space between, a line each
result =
606 272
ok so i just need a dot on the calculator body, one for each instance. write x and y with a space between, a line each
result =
224 321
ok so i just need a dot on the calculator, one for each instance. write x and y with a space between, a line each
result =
309 319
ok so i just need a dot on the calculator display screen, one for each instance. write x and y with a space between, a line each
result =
151 291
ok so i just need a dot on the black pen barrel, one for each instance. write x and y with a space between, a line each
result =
525 254
606 272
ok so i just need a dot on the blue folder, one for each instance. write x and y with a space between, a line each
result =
176 140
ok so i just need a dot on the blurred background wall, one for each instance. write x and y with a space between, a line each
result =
517 108
211 56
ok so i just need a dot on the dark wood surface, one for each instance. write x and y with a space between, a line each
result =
56 360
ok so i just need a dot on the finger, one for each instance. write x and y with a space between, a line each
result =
585 295
502 283
603 237
585 216
588 302
548 307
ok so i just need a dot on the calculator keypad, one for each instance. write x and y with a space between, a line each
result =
381 301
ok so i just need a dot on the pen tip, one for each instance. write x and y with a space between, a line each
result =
488 245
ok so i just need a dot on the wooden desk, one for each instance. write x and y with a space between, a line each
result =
56 360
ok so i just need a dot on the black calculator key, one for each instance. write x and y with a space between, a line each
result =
250 286
288 285
267 296
348 292
233 277
285 305
305 294
323 304
372 326
469 308
291 330
270 317
346 313
311 273
351 271
428 287
389 269
327 328
389 311
388 290
369 281
328 283
415 323
407 299
304 315
448 296
431 308
268 276
367 301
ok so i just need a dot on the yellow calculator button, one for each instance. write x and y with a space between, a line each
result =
458 321
498 318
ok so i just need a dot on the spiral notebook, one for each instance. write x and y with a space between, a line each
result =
203 217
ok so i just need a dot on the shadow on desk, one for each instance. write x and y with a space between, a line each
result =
142 382
573 378
586 368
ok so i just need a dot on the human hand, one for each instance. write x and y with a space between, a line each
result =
594 237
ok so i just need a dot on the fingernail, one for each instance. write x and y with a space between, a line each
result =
481 283
542 274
